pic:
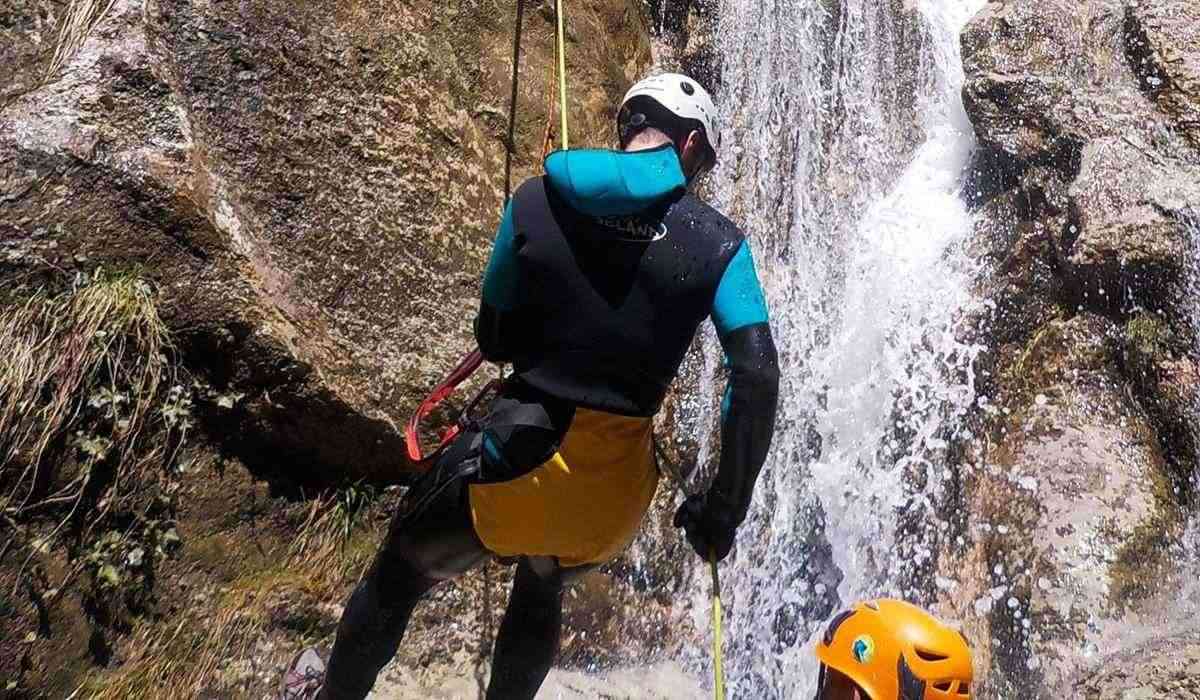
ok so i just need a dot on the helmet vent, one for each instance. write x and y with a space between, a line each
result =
964 689
927 655
943 686
834 624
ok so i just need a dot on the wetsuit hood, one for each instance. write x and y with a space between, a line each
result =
615 183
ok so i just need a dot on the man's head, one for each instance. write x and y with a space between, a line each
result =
891 650
671 108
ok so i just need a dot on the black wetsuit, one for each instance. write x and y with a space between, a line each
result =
600 275
604 322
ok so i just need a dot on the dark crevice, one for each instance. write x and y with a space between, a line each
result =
1070 230
1145 350
283 428
1142 59
991 173
1116 290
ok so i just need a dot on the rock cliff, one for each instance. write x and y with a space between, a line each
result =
311 188
307 192
1087 183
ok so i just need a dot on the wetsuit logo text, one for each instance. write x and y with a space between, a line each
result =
635 229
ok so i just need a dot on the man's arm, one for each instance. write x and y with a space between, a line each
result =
747 412
493 324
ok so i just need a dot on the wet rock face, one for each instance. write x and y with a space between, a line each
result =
313 188
1126 208
1165 668
1163 39
1064 85
28 30
1044 76
1085 118
1071 514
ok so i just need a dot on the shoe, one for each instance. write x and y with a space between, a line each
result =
304 676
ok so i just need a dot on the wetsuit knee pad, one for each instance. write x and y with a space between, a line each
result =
439 542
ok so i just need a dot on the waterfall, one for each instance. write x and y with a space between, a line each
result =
845 153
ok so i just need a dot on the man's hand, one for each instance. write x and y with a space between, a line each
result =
709 524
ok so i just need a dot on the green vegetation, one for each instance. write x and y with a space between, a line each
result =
276 594
88 404
1148 343
1147 334
92 420
94 417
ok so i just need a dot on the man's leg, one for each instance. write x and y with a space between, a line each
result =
529 635
439 545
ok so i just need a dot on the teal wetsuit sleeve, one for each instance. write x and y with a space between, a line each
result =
500 277
739 301
752 393
494 325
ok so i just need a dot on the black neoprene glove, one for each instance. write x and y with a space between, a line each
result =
710 524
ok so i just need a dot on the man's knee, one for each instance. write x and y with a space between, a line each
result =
440 543
394 571
440 558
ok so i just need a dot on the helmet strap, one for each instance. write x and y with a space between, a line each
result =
822 676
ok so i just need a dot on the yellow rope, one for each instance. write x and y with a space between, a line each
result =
718 660
562 75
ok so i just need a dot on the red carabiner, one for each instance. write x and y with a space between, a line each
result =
457 376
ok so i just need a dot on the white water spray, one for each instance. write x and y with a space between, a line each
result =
846 163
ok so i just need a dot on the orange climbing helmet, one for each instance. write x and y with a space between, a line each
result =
894 651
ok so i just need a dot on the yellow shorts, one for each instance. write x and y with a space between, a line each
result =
584 505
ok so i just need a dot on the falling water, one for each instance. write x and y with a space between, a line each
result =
844 166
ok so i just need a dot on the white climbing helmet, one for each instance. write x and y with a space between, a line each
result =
683 97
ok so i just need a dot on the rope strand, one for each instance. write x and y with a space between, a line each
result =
510 146
562 75
717 614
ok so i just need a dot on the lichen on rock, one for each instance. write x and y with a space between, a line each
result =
1088 178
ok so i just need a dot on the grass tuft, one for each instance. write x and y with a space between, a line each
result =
80 19
86 415
193 657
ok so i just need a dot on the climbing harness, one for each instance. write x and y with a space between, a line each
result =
718 655
474 453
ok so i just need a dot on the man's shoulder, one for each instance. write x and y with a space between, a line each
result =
694 213
531 186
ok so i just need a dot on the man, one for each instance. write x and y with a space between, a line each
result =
891 650
600 275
